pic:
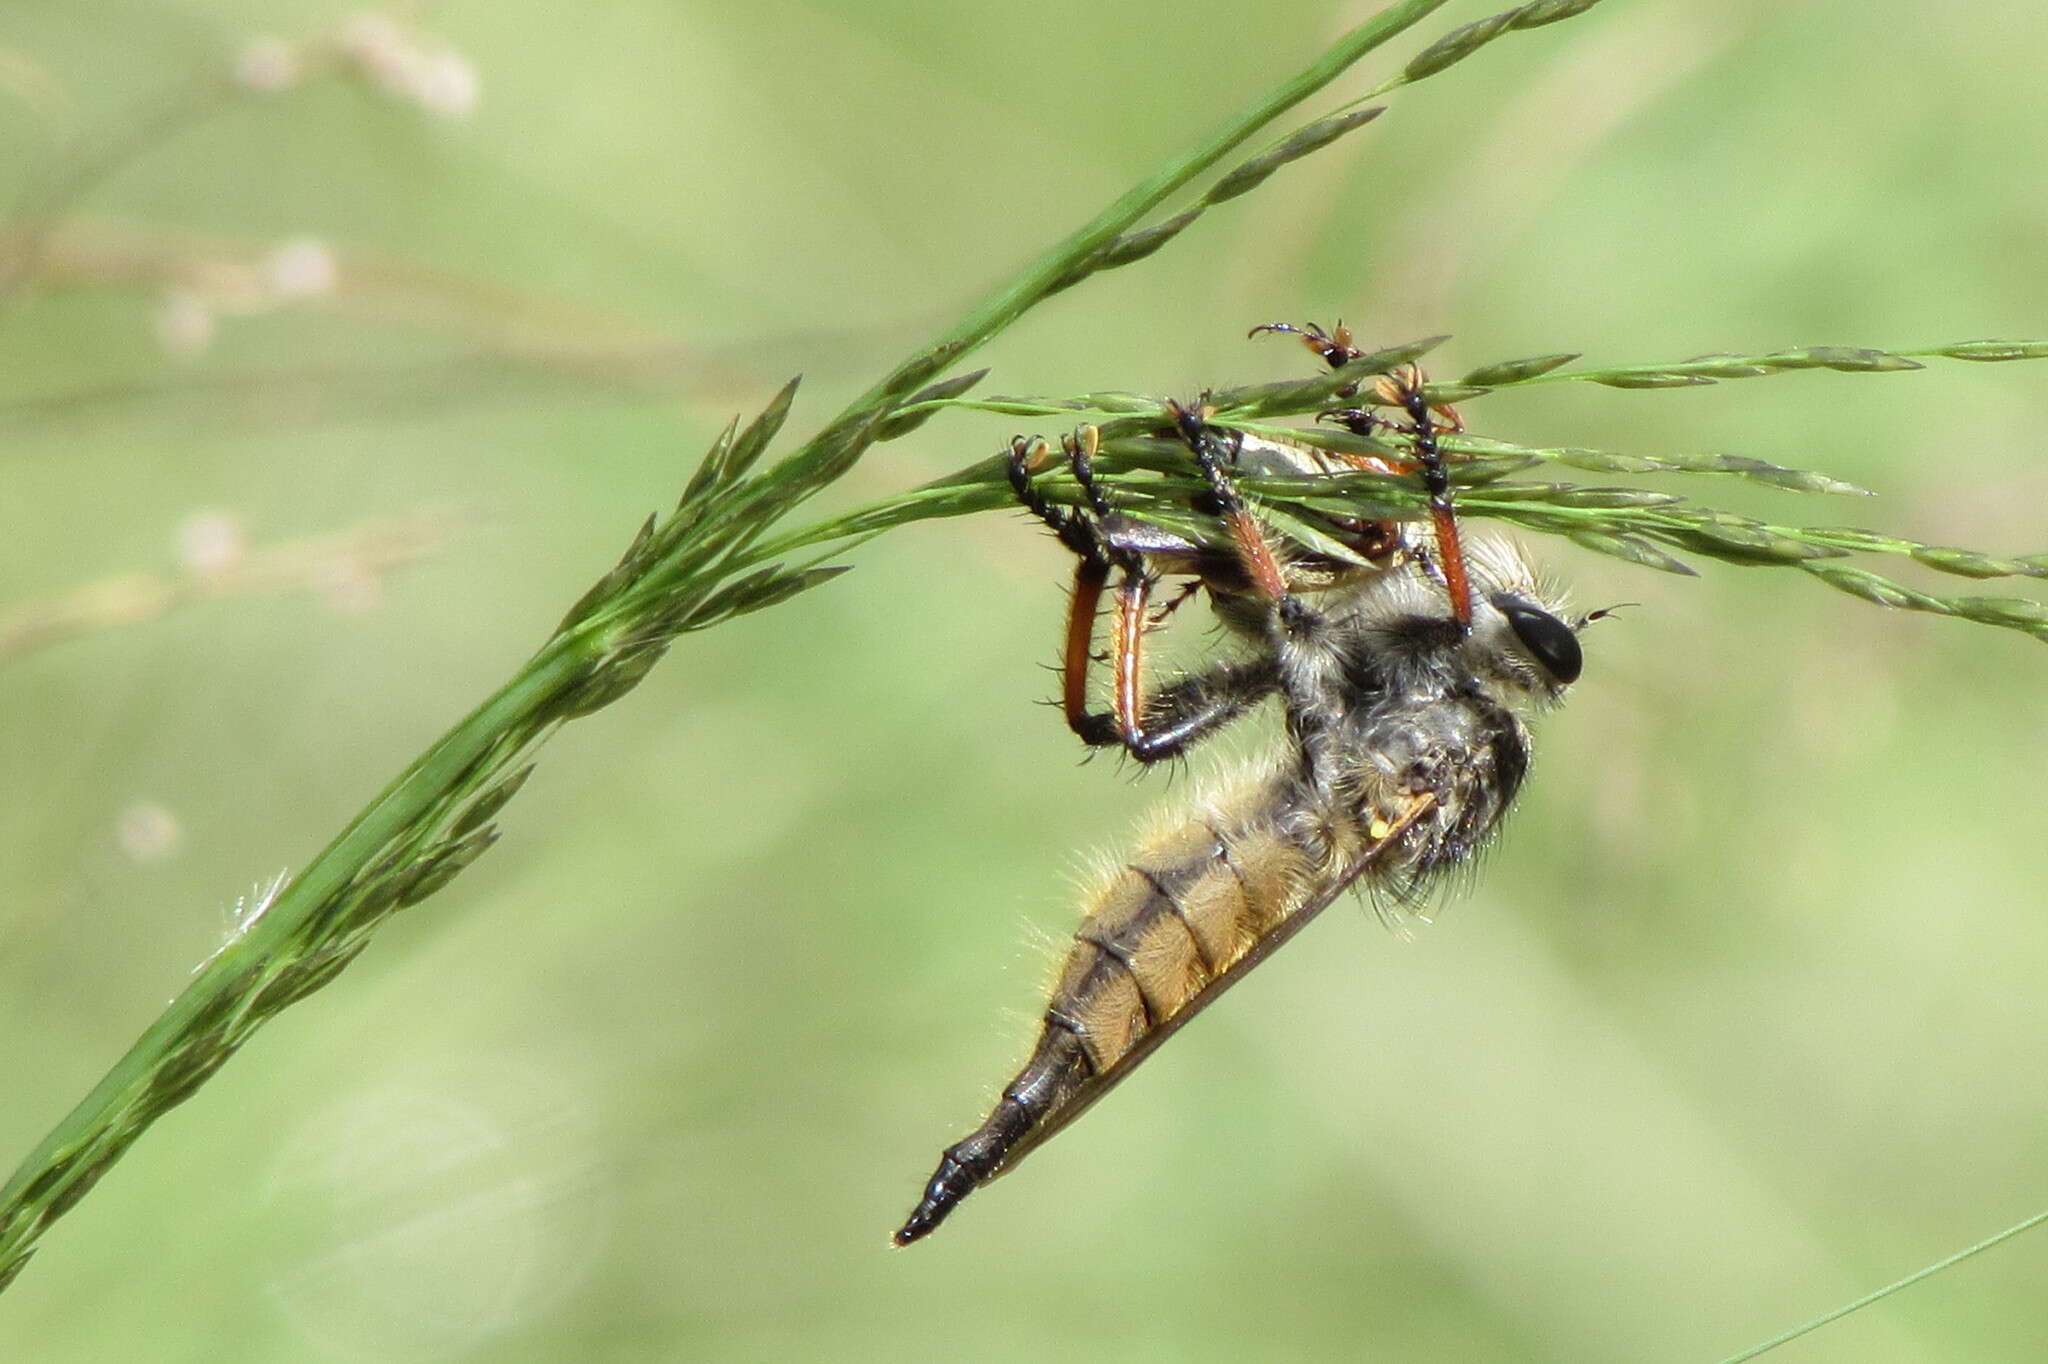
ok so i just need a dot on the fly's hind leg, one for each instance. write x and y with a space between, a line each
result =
1167 723
1091 573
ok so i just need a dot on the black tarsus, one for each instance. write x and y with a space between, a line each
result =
1421 430
1193 427
1074 530
1435 477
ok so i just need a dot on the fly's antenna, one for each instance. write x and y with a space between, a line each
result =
1602 614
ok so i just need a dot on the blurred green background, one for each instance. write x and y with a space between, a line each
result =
1744 1018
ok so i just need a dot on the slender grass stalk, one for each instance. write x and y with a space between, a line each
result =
1928 1271
323 563
152 121
683 573
35 213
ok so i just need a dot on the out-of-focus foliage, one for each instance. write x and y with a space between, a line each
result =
1737 1023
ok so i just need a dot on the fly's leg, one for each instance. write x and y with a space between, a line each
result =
1308 676
1254 552
1190 709
1404 389
1334 347
1164 611
1406 385
1091 574
1337 348
1026 454
1150 729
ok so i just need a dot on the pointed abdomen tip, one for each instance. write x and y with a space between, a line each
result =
916 1229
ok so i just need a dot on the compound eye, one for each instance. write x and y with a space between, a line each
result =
1549 640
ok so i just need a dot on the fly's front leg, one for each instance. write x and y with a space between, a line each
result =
1334 348
1404 389
1406 385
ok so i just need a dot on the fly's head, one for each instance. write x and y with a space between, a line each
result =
1523 646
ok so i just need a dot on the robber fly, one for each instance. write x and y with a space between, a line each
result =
1405 679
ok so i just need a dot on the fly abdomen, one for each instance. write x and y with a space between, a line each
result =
1158 934
1057 1067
